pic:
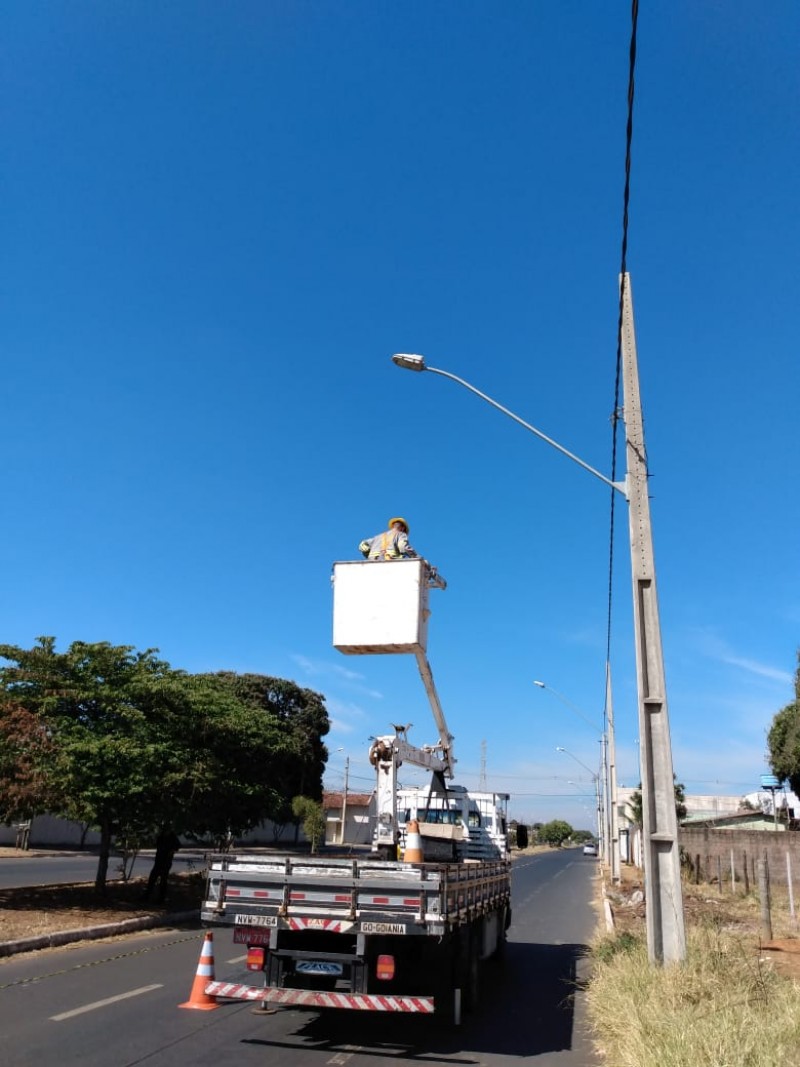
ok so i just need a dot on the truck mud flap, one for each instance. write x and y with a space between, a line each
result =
310 998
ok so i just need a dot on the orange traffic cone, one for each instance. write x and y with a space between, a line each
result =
198 998
413 852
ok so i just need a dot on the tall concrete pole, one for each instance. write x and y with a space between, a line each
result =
666 936
344 796
612 784
605 793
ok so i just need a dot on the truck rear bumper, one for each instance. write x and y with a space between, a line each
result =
311 998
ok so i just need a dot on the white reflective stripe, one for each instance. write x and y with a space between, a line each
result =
319 999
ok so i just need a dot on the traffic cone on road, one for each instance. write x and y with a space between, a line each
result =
413 852
198 998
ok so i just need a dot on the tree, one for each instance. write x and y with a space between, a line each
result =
783 740
302 719
555 832
635 803
220 773
120 741
100 760
310 813
25 749
522 835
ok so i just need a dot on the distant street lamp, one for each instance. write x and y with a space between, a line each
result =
573 707
666 935
609 841
596 783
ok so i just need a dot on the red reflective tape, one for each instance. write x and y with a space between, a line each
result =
297 896
261 893
411 902
233 892
380 900
342 898
315 999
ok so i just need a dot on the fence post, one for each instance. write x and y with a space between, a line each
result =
763 892
719 873
746 874
733 875
790 887
697 869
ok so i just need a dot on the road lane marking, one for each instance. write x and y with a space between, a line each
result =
104 1003
347 1054
237 959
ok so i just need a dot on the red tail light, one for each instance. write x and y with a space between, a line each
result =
255 958
384 969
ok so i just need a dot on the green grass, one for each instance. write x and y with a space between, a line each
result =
723 1007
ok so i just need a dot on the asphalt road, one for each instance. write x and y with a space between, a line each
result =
67 867
115 1004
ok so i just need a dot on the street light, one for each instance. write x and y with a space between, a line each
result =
610 839
596 783
573 707
417 363
666 935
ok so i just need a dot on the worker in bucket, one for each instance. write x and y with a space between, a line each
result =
391 544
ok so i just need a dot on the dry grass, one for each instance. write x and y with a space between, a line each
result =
735 1002
33 911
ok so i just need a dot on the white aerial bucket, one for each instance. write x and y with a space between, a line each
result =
380 606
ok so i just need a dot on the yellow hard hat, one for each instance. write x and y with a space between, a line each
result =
398 519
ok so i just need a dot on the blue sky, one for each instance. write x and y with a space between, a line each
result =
220 220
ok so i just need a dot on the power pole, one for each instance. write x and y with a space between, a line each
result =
613 821
482 782
344 795
666 936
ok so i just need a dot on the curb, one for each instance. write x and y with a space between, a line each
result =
92 933
608 911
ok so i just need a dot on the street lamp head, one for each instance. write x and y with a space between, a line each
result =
410 362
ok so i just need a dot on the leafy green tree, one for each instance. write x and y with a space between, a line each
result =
581 836
522 835
555 832
118 740
302 719
310 813
783 740
635 803
219 770
101 761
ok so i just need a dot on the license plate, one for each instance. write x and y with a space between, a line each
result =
382 928
247 935
318 967
256 920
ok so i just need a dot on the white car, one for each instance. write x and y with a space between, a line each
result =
589 849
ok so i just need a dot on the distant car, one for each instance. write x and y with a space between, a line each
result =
589 849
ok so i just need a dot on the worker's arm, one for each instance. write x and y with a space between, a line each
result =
403 547
364 547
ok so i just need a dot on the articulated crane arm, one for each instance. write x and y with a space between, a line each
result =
445 746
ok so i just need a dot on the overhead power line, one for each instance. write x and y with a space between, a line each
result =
626 196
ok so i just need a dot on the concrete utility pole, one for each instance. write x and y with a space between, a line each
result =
613 821
666 936
344 795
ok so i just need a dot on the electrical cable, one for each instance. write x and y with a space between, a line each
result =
623 272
